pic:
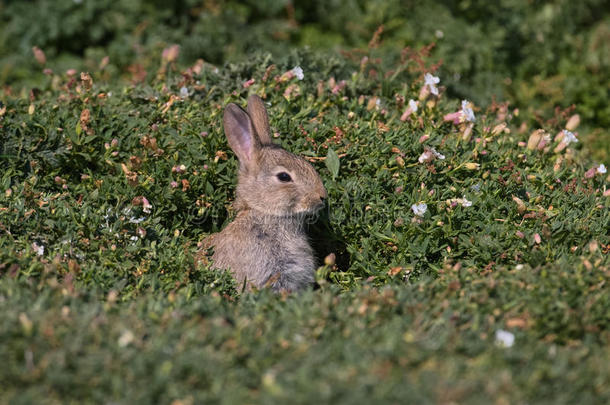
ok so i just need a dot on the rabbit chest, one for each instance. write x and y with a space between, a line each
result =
273 252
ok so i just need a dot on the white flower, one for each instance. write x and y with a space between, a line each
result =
419 209
601 169
126 338
424 157
38 249
134 220
569 137
429 154
184 92
504 338
431 82
465 202
413 105
438 155
297 71
467 112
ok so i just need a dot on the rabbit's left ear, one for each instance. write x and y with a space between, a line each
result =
240 134
260 119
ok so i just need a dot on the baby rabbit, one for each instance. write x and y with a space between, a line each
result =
266 244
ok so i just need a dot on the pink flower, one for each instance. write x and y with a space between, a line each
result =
453 117
413 105
590 173
248 83
464 115
338 87
171 53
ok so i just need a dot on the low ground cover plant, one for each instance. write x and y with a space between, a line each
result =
464 251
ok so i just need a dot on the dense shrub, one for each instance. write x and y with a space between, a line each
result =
537 56
109 179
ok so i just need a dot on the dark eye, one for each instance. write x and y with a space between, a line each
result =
284 177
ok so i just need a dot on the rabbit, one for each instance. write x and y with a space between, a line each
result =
266 244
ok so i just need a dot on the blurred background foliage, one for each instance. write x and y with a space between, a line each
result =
537 54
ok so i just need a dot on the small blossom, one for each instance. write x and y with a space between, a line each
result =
431 82
134 220
337 88
419 209
184 92
39 55
476 187
248 83
601 169
464 115
173 184
146 206
454 117
437 155
573 122
179 169
413 105
569 137
297 71
126 337
430 154
504 338
39 249
546 139
467 113
465 202
170 54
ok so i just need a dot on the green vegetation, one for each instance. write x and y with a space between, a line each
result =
111 178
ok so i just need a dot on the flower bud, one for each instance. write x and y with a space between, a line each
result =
573 122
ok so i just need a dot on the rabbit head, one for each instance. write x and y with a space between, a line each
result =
272 181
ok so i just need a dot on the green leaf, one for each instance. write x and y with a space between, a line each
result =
332 162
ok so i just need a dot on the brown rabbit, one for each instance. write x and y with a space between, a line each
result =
266 244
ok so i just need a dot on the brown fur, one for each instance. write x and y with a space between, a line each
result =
266 244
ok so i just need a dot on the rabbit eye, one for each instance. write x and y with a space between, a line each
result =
284 177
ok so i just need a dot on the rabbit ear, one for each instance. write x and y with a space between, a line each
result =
260 119
240 134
